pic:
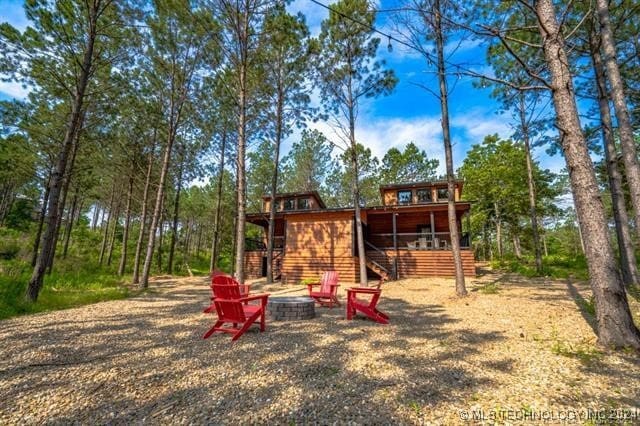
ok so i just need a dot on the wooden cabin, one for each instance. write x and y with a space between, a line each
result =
406 237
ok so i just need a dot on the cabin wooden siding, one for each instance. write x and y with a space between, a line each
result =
317 242
313 203
426 263
253 263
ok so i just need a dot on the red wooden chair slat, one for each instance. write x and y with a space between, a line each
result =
367 306
232 308
328 293
219 277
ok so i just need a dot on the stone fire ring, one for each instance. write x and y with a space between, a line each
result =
291 308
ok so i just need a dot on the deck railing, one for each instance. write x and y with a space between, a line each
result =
417 241
255 244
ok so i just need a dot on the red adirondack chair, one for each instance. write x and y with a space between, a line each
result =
366 305
232 308
328 294
218 277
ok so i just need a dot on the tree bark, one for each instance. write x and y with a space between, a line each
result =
274 182
615 324
524 125
70 220
461 290
498 221
625 130
215 244
629 268
86 70
105 233
127 221
112 238
143 217
176 211
43 213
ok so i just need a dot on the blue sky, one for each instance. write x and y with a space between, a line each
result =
409 114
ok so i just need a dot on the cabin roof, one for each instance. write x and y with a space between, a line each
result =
298 194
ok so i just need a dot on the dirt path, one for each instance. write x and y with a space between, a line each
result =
525 351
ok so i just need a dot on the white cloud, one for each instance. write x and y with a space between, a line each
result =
14 90
314 13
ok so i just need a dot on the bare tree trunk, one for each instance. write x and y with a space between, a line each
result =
70 220
64 193
274 183
215 244
625 130
112 239
96 216
72 127
127 221
143 217
498 230
43 213
176 211
524 125
243 37
105 232
615 324
516 245
629 268
444 106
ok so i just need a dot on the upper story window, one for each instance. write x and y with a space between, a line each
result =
289 204
304 204
423 195
443 194
404 196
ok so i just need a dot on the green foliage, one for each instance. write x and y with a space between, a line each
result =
308 164
554 266
340 181
489 288
90 284
410 165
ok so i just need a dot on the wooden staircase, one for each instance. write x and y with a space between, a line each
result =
385 273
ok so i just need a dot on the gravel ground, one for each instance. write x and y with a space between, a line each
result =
526 352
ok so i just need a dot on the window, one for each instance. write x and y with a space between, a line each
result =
423 195
289 204
304 204
443 194
404 197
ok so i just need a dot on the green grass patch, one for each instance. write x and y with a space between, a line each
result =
555 266
490 288
61 290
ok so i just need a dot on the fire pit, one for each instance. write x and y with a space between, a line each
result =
291 308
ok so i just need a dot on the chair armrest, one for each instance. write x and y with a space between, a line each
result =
363 290
254 297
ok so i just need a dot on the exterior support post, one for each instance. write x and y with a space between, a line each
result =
433 229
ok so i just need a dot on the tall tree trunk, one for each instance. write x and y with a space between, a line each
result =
143 217
43 213
627 142
86 70
215 244
274 183
628 264
96 216
498 221
105 232
524 125
243 38
174 119
70 220
64 193
176 211
127 221
516 245
112 238
615 324
461 289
